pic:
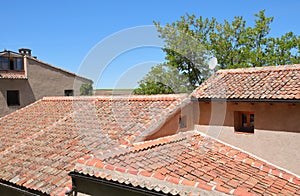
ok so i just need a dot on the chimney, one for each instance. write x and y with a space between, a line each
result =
25 51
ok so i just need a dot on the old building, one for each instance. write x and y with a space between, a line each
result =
25 79
256 109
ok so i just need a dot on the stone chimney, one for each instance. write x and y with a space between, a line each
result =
25 51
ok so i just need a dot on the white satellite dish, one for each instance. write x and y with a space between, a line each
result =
212 63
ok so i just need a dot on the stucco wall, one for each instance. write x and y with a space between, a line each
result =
171 126
25 93
48 81
276 135
267 116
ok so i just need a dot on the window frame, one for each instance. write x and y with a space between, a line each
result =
244 122
13 63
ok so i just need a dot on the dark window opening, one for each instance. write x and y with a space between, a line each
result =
13 98
244 122
69 92
183 122
11 63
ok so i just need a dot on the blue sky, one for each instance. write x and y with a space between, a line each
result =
64 33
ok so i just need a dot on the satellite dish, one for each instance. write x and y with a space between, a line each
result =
212 63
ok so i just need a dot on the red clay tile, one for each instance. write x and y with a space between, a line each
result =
268 82
172 180
49 135
241 173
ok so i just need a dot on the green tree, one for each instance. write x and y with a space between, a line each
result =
86 89
191 41
163 79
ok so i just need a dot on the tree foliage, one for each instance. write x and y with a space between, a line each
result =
191 41
86 89
163 79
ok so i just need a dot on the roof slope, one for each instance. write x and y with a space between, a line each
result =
188 163
41 142
259 83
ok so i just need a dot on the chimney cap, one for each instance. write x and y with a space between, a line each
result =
25 51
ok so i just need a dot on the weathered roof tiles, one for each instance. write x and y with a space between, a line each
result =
259 83
188 163
41 142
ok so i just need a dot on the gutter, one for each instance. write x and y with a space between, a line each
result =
113 184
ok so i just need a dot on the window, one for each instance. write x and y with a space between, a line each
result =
13 98
4 63
11 63
182 122
244 122
69 92
18 64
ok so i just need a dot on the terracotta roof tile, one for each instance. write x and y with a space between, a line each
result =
272 82
12 74
196 161
41 142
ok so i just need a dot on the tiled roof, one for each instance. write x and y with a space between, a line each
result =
41 142
188 163
12 74
259 83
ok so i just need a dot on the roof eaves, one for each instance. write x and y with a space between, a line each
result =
245 100
152 181
259 69
21 189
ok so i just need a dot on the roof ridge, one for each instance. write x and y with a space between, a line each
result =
140 146
260 69
162 97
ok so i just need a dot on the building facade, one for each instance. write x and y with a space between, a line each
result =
255 109
25 79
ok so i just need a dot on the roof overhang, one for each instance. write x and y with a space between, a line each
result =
246 100
15 189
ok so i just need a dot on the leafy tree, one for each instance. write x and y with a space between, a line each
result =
191 41
163 79
86 89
